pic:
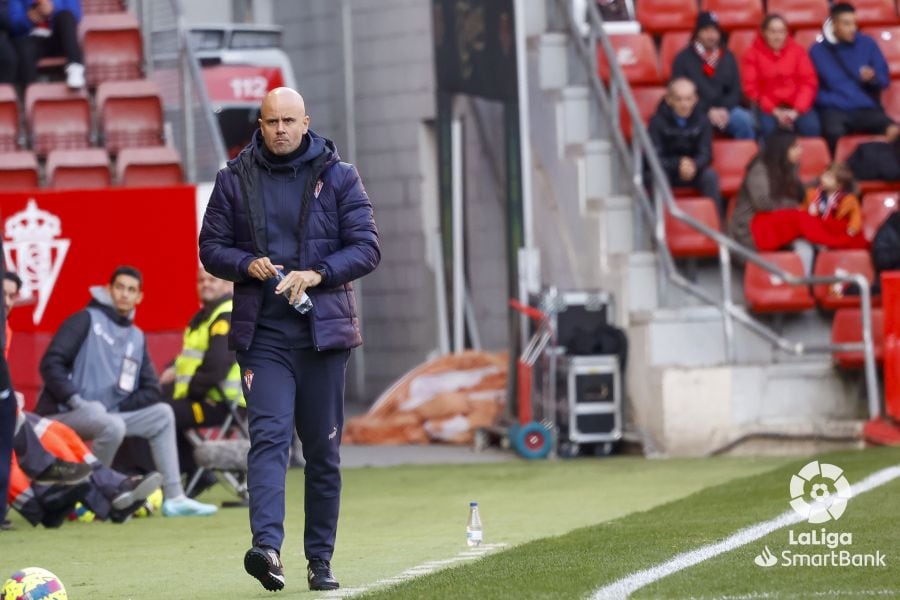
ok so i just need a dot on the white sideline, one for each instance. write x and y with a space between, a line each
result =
622 588
417 571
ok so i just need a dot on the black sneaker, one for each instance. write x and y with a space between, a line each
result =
134 492
265 565
320 576
63 473
6 525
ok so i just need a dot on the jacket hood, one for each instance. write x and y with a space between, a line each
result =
317 146
101 299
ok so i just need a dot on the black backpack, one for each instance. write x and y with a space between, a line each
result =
876 161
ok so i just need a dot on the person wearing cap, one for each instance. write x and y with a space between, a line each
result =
712 67
852 73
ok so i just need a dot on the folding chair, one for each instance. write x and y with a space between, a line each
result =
223 451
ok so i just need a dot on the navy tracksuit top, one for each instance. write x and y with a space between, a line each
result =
283 180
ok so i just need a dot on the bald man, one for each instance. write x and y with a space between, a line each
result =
682 136
287 208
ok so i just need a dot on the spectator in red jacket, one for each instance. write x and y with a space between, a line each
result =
779 78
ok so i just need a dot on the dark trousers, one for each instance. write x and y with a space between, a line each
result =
836 123
8 59
291 388
7 433
707 181
212 414
32 456
63 41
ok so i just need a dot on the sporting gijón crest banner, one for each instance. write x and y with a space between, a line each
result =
63 242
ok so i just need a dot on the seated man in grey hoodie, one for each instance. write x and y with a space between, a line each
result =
98 380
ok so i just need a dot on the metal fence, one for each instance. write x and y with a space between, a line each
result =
170 61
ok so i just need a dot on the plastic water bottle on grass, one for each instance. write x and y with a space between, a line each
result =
473 527
303 305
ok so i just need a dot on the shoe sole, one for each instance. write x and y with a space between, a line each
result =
147 486
63 482
324 587
257 565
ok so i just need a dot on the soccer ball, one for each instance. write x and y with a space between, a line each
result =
33 583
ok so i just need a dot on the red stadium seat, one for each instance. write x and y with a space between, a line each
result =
18 170
112 47
730 160
808 37
78 169
875 12
800 13
876 208
131 114
670 45
57 117
847 328
815 158
890 100
888 39
739 40
832 262
149 167
686 242
658 16
98 7
735 14
767 293
9 119
636 54
647 99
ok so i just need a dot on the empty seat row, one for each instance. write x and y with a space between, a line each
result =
768 293
659 16
129 115
642 65
89 168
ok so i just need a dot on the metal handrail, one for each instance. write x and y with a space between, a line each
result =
641 150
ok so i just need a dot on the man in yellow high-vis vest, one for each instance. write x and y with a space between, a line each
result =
205 376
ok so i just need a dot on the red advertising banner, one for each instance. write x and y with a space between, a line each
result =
227 84
63 242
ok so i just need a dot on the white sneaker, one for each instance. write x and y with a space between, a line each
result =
183 506
75 76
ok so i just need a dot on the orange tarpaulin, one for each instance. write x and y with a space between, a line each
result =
443 400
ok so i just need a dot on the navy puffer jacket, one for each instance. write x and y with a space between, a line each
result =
338 232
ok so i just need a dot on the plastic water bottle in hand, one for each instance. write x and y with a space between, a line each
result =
303 305
473 527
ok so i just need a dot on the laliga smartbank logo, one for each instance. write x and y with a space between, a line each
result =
819 494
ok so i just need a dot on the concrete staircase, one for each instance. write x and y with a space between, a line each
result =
684 395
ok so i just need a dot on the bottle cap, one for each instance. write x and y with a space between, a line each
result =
473 504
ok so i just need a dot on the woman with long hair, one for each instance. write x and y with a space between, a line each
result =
772 182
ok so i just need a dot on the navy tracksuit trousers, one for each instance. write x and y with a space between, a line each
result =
7 432
300 388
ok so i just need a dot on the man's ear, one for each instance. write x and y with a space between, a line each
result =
139 298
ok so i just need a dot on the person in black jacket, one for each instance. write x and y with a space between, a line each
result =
99 380
711 66
7 411
682 137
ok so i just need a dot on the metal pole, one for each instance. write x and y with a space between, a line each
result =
524 118
459 292
359 356
187 103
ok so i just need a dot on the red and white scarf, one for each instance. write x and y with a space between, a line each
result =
710 58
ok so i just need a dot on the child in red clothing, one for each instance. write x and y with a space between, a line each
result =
835 203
